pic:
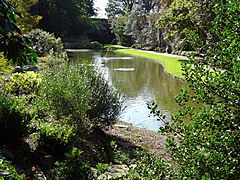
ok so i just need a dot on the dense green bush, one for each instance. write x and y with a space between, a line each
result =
64 92
43 42
23 83
72 168
8 171
206 147
14 118
105 103
5 68
149 167
76 92
16 112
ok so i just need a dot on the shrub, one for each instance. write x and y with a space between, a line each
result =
101 168
44 42
23 83
16 111
96 45
105 104
149 167
78 92
64 92
8 171
206 147
73 167
54 131
14 118
5 68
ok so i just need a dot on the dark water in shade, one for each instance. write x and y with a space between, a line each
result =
140 81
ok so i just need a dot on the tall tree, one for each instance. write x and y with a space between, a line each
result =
182 17
64 17
208 146
27 20
12 43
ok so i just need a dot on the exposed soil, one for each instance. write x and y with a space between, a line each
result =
128 137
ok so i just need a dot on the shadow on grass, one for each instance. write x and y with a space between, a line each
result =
112 48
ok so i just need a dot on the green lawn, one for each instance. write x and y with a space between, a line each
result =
171 64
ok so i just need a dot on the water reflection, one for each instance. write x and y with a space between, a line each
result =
140 81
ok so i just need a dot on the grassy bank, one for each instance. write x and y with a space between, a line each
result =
172 64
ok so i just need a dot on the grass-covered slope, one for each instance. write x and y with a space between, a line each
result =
171 63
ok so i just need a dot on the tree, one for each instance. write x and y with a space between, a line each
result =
65 17
28 21
12 43
207 147
182 17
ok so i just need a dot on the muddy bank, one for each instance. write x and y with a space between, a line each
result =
129 137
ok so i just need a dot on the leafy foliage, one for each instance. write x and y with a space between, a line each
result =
23 83
15 110
73 98
5 68
66 17
206 146
105 103
43 42
14 118
8 171
65 91
72 167
101 168
183 17
12 43
149 167
28 21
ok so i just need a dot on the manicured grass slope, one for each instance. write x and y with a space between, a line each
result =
171 64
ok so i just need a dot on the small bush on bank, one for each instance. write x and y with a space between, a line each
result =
64 92
72 168
78 92
23 83
96 45
149 167
43 42
5 68
105 103
7 171
14 118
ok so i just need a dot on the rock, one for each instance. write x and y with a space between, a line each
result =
18 69
37 173
30 68
120 126
5 174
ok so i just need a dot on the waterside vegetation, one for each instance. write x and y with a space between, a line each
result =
56 114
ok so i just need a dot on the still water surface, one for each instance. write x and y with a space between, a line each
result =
140 81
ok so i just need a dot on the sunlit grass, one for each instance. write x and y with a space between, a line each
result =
171 65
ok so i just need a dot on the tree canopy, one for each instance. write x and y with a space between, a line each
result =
64 16
12 43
